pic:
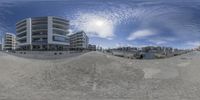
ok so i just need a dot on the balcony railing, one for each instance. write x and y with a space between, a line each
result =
20 25
38 36
22 29
18 33
21 21
37 30
39 42
60 22
24 37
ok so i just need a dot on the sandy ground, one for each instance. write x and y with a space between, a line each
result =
97 76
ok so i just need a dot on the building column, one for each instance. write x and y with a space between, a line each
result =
50 30
29 31
48 47
41 48
31 47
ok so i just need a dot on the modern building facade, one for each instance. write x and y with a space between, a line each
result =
1 48
92 47
79 41
9 42
42 33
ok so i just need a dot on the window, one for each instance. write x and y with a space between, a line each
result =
60 39
59 32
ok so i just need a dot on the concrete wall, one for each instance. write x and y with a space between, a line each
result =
45 54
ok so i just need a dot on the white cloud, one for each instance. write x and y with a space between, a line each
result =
112 16
141 34
70 32
158 42
190 44
169 17
193 44
123 45
94 25
120 13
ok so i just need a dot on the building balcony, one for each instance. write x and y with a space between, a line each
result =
19 33
39 22
61 19
39 36
60 26
39 26
21 27
21 38
58 29
54 34
21 22
39 42
21 30
36 30
21 42
61 22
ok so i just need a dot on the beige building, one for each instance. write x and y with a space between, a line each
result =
9 42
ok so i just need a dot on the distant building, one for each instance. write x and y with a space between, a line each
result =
92 47
9 41
79 41
127 49
1 44
42 33
1 47
151 49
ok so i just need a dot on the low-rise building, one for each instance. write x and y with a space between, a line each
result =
79 41
9 41
198 48
91 47
1 44
127 49
152 49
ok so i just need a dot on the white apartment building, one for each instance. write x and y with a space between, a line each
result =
42 33
79 41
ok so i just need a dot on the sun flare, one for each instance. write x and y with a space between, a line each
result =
99 23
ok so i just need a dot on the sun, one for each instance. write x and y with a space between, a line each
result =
99 23
95 26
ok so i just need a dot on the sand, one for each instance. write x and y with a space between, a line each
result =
97 76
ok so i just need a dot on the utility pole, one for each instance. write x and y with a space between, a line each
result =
1 41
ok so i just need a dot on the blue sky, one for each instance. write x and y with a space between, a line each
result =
113 23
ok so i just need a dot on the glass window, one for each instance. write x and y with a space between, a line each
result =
60 39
